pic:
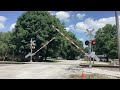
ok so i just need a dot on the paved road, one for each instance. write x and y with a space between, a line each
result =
41 70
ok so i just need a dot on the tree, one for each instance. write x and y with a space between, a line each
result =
38 25
70 49
87 49
5 44
106 39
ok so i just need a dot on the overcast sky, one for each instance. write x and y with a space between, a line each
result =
75 21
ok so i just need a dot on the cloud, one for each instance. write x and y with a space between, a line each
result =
52 12
90 23
2 26
67 29
2 20
63 16
70 27
81 39
12 26
80 26
80 16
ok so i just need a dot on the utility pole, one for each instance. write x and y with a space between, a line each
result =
90 47
118 35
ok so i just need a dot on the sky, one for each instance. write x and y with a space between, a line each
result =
75 21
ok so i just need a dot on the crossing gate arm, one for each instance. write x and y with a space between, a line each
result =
70 40
45 45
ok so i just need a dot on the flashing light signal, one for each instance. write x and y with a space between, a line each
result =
87 42
93 42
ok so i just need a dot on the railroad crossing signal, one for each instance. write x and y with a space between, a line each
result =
77 45
32 54
88 42
90 32
33 44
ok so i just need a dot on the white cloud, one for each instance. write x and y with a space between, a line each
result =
63 15
71 27
81 26
12 26
2 26
2 20
81 39
67 29
80 16
52 12
90 23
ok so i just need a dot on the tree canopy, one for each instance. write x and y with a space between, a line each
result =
38 26
5 45
106 39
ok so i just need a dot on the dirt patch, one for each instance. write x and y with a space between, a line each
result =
109 69
91 76
92 73
99 65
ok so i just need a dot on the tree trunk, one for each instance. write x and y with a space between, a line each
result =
46 53
4 56
37 57
13 56
41 59
45 58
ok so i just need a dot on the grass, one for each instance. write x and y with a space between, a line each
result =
52 60
18 62
11 62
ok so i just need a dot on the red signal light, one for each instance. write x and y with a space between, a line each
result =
93 42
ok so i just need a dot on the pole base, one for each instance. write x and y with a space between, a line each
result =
90 66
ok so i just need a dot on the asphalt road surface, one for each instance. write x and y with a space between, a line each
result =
39 70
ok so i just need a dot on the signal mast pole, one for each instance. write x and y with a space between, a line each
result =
118 35
90 45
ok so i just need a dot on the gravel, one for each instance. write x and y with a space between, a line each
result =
109 69
49 70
